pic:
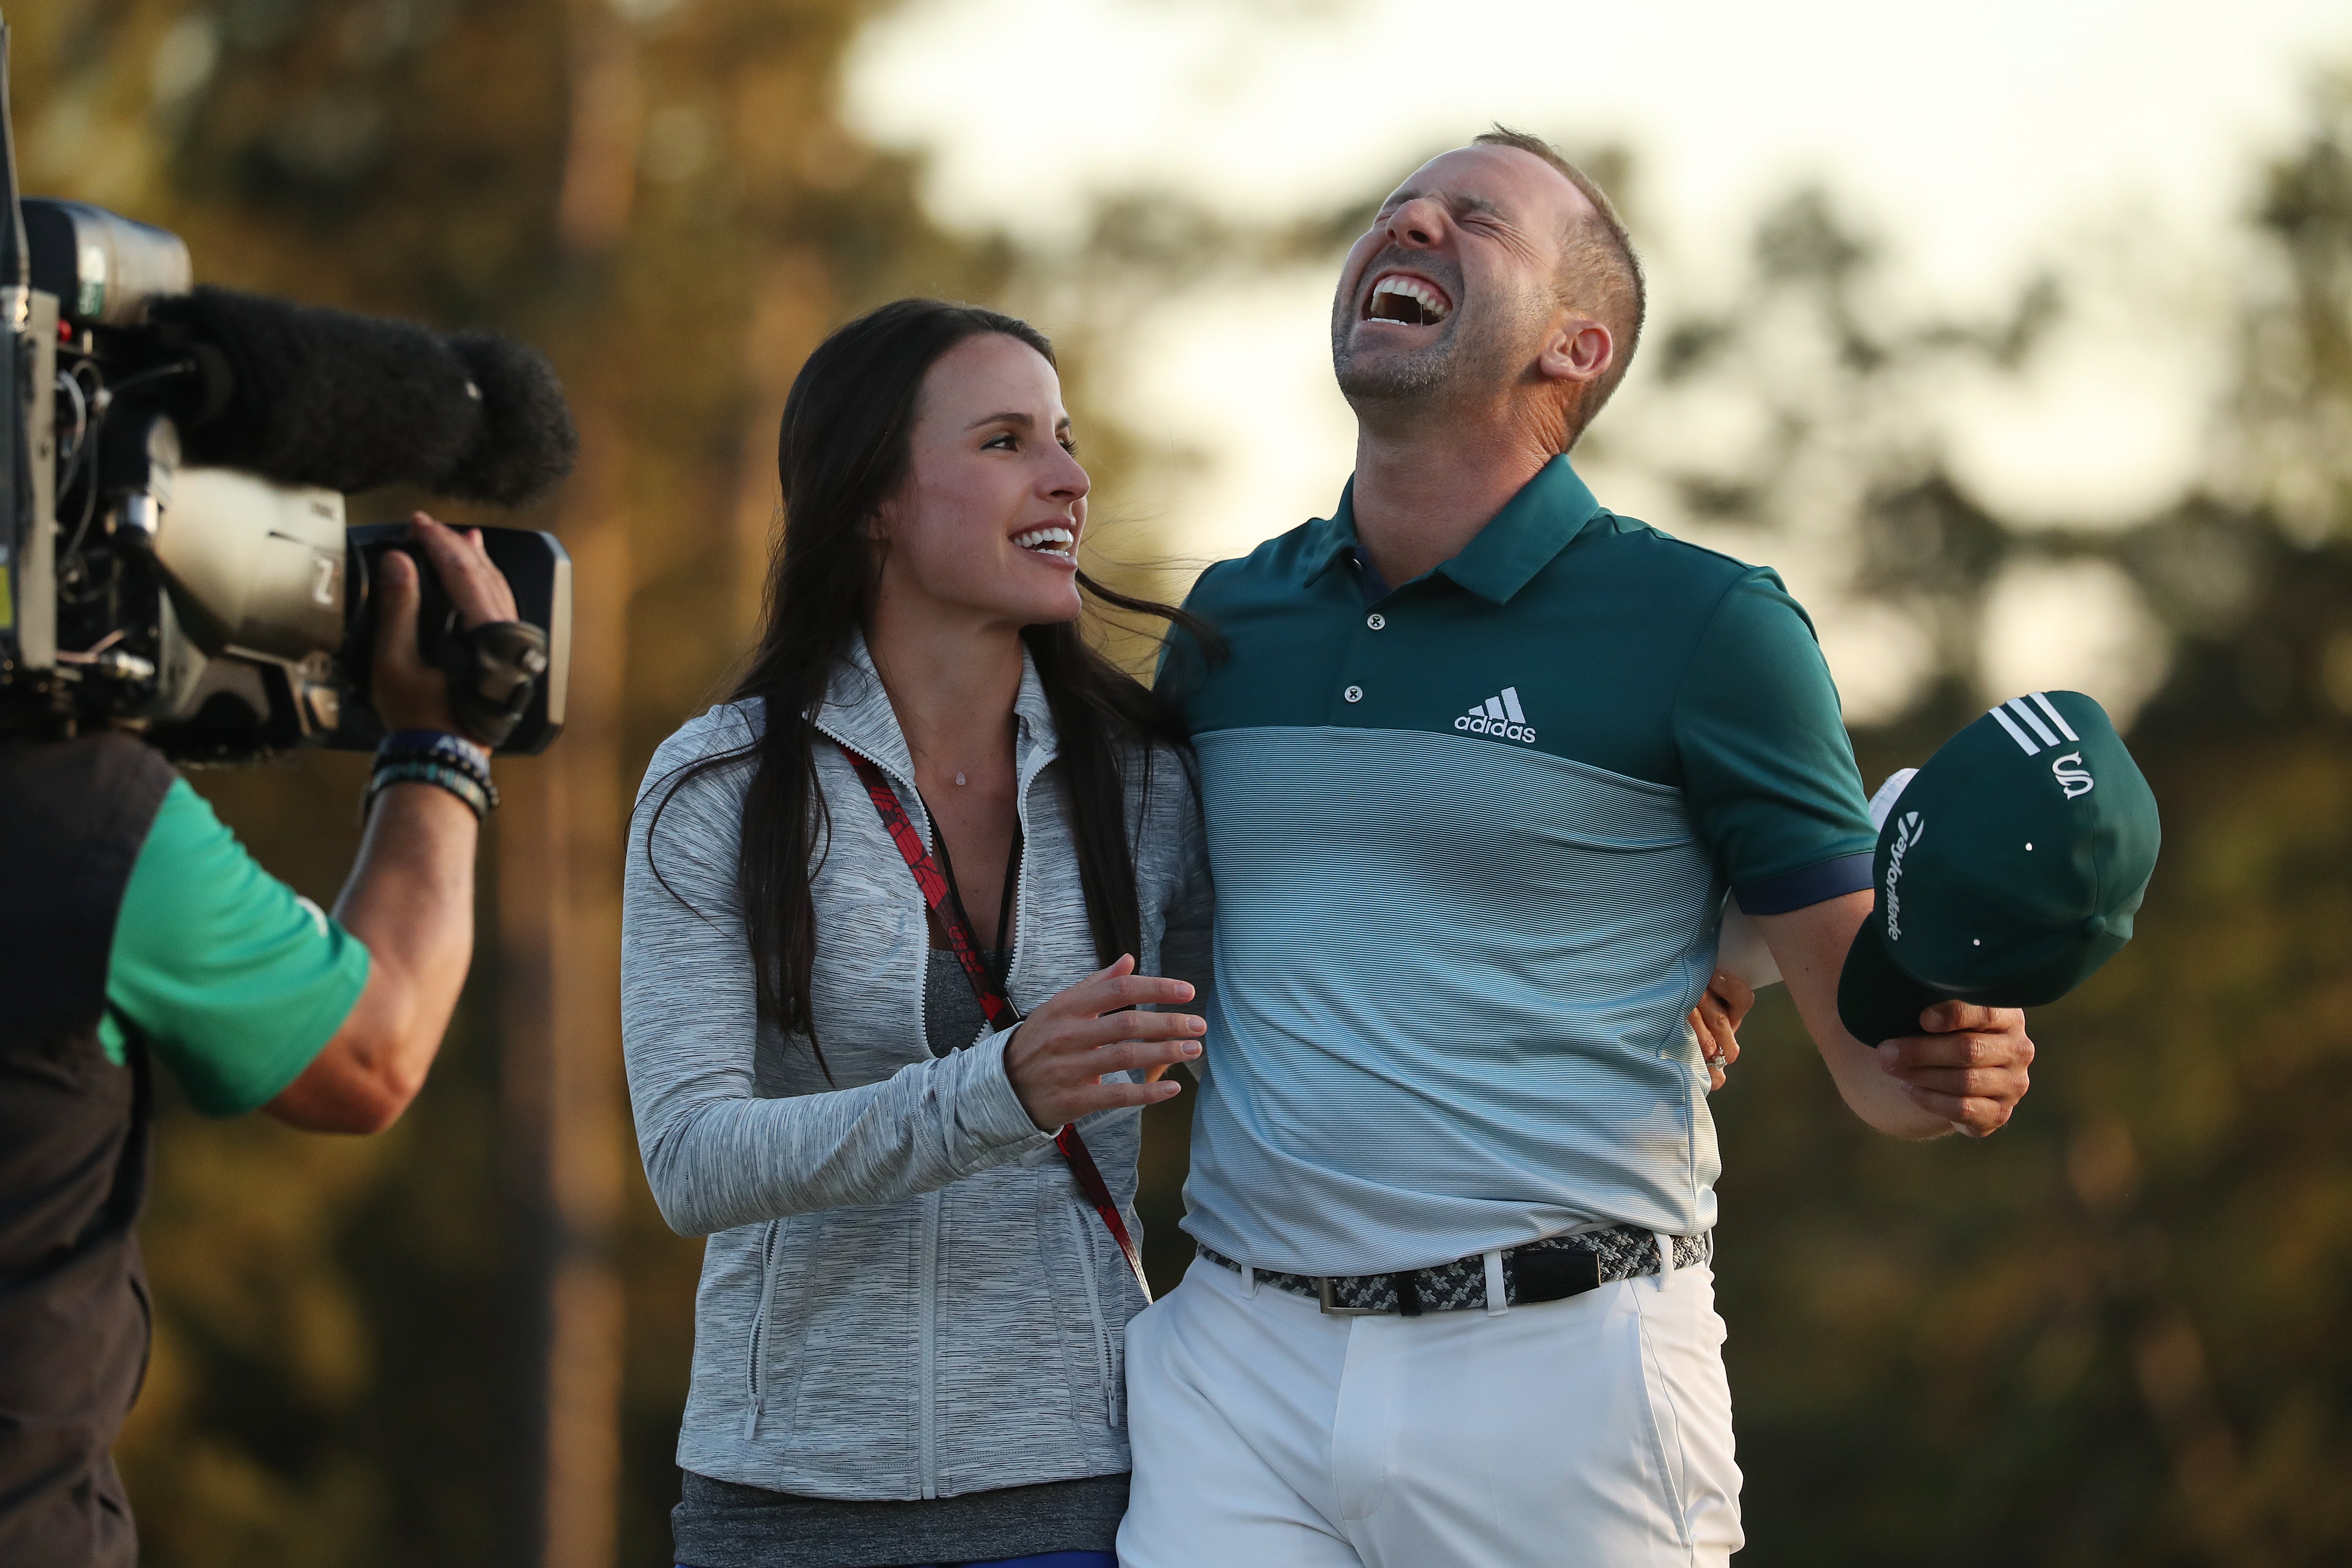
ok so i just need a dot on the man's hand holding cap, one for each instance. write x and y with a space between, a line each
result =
2007 869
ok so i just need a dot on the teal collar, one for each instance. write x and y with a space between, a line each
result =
1518 541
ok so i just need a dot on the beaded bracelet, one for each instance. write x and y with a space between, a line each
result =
475 795
438 746
481 777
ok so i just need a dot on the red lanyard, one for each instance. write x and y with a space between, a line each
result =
994 1004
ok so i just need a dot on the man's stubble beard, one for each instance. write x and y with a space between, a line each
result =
1478 351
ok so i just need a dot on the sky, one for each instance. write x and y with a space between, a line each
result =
1980 144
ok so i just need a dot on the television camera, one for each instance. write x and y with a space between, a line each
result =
174 557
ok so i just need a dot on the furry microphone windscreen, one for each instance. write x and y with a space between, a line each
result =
325 397
527 442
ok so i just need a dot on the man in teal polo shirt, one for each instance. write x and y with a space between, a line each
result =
1479 765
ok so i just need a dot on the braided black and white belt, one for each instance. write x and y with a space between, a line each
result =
1550 1270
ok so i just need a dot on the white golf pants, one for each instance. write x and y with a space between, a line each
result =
1590 1433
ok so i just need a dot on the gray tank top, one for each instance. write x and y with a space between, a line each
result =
952 1014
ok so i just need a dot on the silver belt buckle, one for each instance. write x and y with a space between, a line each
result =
1331 1307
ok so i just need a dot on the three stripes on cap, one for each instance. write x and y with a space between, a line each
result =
2033 721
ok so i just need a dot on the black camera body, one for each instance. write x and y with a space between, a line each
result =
174 557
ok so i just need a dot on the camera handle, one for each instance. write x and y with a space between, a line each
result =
508 679
493 669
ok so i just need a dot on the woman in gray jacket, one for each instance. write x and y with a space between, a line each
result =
931 810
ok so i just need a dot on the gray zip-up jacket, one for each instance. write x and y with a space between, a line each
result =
904 1294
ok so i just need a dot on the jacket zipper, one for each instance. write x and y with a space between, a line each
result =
1020 888
1083 1238
927 1289
756 1374
923 947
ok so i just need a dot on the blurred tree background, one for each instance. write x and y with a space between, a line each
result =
2105 1337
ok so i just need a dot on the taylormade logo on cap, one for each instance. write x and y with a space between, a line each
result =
1906 833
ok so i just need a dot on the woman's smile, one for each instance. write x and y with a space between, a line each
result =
1056 541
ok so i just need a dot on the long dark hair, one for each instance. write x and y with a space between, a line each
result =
844 449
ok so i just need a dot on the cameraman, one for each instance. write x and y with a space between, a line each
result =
132 922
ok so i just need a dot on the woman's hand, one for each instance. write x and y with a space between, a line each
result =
1715 1021
1059 1055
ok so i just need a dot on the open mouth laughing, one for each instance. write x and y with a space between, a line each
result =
1407 299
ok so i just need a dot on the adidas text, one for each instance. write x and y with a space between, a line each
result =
1499 715
1479 724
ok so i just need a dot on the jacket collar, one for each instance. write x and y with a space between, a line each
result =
857 713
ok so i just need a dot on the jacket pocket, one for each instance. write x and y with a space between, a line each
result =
755 1359
1105 1359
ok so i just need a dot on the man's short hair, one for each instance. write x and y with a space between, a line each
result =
1599 269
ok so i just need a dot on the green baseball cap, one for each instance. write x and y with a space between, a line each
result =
2007 869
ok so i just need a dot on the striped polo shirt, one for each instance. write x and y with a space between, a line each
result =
1471 837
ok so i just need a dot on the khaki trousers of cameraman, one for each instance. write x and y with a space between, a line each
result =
1590 1433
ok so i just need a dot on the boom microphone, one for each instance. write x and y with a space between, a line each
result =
527 441
349 403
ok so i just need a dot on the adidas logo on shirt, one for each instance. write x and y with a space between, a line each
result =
1499 715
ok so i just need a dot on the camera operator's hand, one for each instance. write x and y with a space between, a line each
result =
409 694
411 897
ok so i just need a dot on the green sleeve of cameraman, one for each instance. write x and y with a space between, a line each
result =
235 980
